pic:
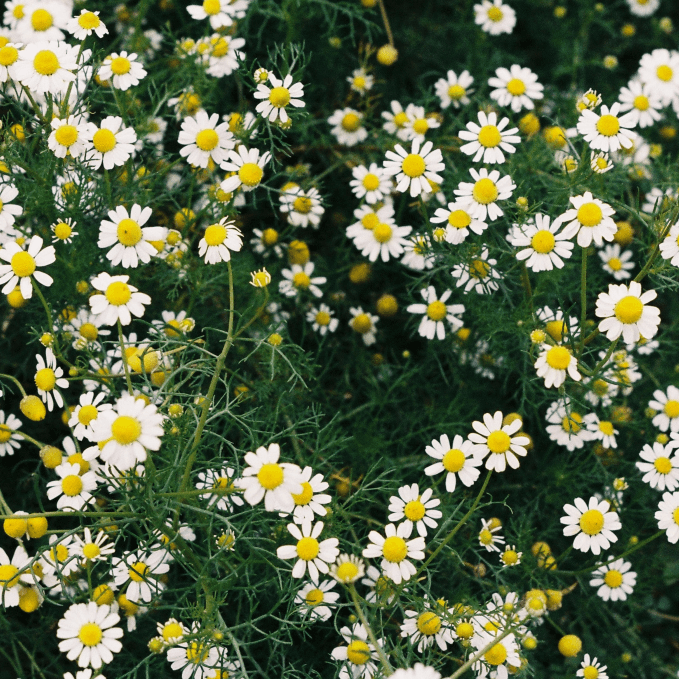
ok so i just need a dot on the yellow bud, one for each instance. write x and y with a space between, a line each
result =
570 645
15 528
387 305
37 526
360 273
51 457
387 55
33 408
29 599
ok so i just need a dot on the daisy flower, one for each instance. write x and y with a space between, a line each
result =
302 207
64 230
489 536
313 600
47 66
89 634
298 278
85 328
359 655
383 590
494 17
660 467
8 212
369 217
348 126
68 137
22 266
224 55
459 222
544 247
488 139
425 629
419 123
454 89
122 70
614 580
669 247
9 58
641 102
616 261
347 569
309 552
48 377
479 274
219 240
659 200
370 183
363 323
9 441
60 558
626 312
360 81
659 70
275 99
482 194
11 581
435 311
220 479
516 87
396 551
120 300
456 459
274 482
203 139
607 131
505 653
384 240
600 162
312 499
553 363
415 509
142 570
510 557
667 403
247 165
85 24
396 121
73 488
556 325
112 143
590 668
667 516
413 169
91 550
592 218
592 524
493 438
197 659
322 319
417 253
127 431
601 430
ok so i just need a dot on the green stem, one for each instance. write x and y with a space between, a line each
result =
126 368
38 292
525 281
388 669
16 381
583 300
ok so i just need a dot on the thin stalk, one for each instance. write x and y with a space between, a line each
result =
16 381
126 368
48 313
385 20
388 669
583 300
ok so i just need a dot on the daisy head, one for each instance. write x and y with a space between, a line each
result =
496 440
219 240
396 550
457 460
482 194
488 139
615 580
276 99
414 169
625 311
608 130
592 525
592 218
119 301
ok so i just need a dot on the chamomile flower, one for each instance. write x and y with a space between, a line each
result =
414 169
489 138
415 509
426 628
659 70
93 549
417 254
199 658
122 70
601 430
494 17
68 137
64 230
482 194
220 13
669 247
203 139
310 502
384 240
600 162
660 467
47 66
85 24
616 261
545 245
478 274
224 55
248 167
22 266
9 441
370 183
515 87
360 81
497 441
298 278
554 363
489 536
510 557
396 121
591 668
9 58
313 599
592 525
454 89
456 459
48 377
614 580
359 655
141 571
347 126
667 516
89 634
435 311
219 240
309 551
347 569
112 143
667 405
73 489
8 212
644 106
419 123
322 319
368 218
276 99
607 131
11 580
119 301
220 479
396 550
267 479
302 207
85 329
459 222
363 323
172 631
592 218
626 312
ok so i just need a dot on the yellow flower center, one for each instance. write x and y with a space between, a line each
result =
608 125
89 332
207 140
485 537
71 485
120 66
394 549
485 191
459 219
606 428
663 465
498 442
641 102
59 553
322 318
370 221
489 136
307 549
516 87
672 409
269 237
400 119
215 234
456 92
428 623
212 7
465 630
479 269
197 652
615 263
413 165
590 672
172 630
382 233
495 14
589 214
129 232
510 557
436 311
414 510
63 231
675 516
5 433
88 21
347 572
301 280
358 652
629 309
592 521
125 429
66 135
302 205
361 323
314 597
250 174
279 96
571 423
270 476
421 126
543 241
496 656
77 458
45 379
41 20
359 82
138 572
91 551
8 576
118 293
46 62
351 122
90 634
613 578
453 460
23 264
556 330
8 55
304 498
558 358
104 141
221 49
371 182
664 73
